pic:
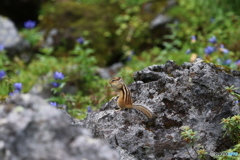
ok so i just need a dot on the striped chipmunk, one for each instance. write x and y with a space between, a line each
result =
125 98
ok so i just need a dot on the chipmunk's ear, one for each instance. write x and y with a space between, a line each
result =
120 79
116 79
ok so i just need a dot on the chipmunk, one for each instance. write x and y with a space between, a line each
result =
125 98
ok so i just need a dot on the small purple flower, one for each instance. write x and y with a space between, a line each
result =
55 84
223 49
213 39
212 20
129 58
89 109
1 47
80 40
53 104
14 92
188 51
209 50
58 75
238 63
130 54
227 62
222 46
193 39
2 74
18 86
29 24
237 102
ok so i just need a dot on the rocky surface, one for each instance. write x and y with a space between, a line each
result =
31 129
11 40
192 94
9 36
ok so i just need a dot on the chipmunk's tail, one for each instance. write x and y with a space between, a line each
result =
144 110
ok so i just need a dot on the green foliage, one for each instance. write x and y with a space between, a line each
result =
82 19
33 36
46 50
122 23
214 21
136 63
189 135
231 91
232 127
86 62
4 60
6 87
191 138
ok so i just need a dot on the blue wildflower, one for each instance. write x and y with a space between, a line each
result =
238 63
80 40
14 92
1 47
18 86
213 39
188 51
53 104
212 20
228 62
58 75
55 84
193 39
29 24
209 50
2 74
129 58
223 49
89 109
129 55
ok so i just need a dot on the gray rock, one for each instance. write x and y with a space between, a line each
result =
192 94
160 20
32 129
10 38
50 38
110 71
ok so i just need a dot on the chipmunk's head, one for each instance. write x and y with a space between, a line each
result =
117 83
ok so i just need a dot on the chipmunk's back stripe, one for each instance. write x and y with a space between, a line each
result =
129 97
126 95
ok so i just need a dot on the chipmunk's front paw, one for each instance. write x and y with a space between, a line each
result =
114 97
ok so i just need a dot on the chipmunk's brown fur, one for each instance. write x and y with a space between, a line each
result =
125 98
